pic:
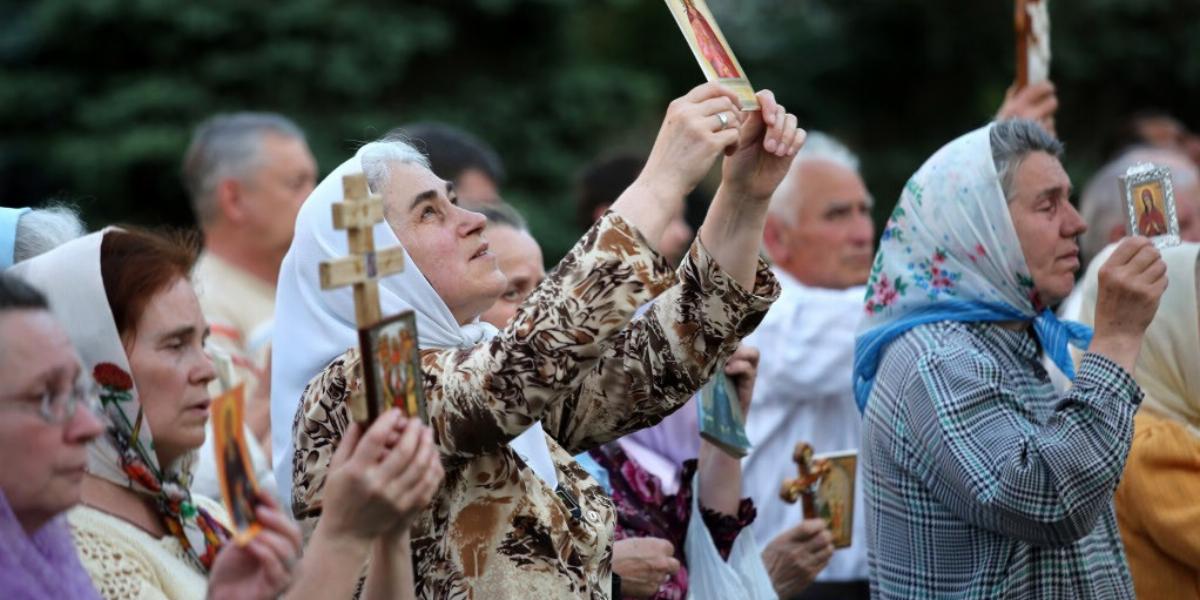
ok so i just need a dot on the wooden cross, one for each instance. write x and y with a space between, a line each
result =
804 486
358 214
1023 27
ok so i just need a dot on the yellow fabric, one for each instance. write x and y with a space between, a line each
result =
1168 368
1158 509
126 563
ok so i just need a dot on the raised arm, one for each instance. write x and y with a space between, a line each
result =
656 363
992 467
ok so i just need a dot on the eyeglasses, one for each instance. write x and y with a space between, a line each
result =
56 408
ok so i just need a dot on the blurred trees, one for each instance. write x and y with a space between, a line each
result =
98 97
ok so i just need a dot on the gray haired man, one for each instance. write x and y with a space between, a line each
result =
247 175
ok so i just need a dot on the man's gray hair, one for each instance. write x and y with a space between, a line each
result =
1102 204
817 146
500 213
1014 139
227 146
44 229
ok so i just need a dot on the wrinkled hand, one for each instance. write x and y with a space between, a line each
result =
690 139
644 564
795 557
1131 283
1036 102
768 142
380 481
742 369
264 567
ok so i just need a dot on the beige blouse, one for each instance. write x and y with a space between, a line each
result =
572 359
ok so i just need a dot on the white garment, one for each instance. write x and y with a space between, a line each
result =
710 577
804 393
317 326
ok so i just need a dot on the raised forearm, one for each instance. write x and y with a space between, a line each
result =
732 233
391 574
720 480
330 568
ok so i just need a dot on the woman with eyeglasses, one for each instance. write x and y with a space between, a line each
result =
43 439
128 307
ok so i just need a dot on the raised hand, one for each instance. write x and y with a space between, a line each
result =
795 557
1132 281
742 369
768 141
381 480
263 567
1036 102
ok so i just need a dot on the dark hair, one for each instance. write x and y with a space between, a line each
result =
1129 133
15 294
138 264
500 213
601 182
452 151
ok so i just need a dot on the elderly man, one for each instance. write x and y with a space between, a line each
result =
820 238
247 175
981 480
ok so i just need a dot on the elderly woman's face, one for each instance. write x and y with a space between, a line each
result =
45 461
171 370
445 242
1047 225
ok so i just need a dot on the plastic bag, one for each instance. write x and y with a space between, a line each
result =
742 577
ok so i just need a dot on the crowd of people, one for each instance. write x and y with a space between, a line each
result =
1019 435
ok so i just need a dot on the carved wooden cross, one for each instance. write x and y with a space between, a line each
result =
358 214
1023 28
804 486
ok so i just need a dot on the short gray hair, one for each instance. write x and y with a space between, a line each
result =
377 158
817 146
1013 140
224 146
44 229
1102 202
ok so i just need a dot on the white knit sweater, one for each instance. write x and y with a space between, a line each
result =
126 563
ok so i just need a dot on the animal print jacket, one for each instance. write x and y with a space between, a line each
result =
572 359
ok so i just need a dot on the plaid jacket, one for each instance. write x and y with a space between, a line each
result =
982 481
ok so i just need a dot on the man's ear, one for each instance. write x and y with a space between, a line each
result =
230 200
775 239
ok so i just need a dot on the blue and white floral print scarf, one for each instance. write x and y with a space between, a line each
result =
950 252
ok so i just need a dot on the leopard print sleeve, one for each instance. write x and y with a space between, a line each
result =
663 357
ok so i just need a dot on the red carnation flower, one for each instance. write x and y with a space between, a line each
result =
112 376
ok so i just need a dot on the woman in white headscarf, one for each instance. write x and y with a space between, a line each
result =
1157 507
125 300
517 516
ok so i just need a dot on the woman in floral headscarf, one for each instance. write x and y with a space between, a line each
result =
130 310
980 480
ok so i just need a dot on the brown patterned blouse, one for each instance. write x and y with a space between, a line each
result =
572 359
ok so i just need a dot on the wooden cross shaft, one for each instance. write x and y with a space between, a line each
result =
358 214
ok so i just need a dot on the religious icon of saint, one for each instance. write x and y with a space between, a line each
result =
1151 220
710 45
238 488
394 367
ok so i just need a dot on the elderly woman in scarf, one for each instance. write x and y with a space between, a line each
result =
517 517
982 481
46 426
1157 508
131 312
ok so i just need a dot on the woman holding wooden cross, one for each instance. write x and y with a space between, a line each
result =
516 517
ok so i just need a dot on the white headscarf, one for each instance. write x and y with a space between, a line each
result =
1168 367
315 326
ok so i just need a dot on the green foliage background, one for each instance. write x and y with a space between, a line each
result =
98 97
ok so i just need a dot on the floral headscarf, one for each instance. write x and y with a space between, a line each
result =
70 277
950 252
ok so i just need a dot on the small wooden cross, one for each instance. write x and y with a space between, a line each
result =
804 486
358 214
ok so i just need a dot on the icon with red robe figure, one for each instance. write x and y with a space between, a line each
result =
1151 220
1150 204
711 50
